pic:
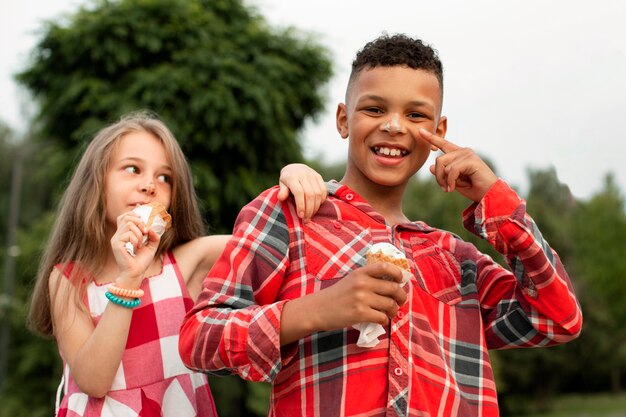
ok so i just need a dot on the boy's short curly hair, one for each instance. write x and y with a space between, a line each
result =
397 50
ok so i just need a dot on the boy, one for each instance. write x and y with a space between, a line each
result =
280 304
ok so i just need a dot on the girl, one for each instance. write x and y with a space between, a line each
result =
116 317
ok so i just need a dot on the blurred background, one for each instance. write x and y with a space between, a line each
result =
248 87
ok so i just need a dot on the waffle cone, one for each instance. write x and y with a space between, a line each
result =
158 210
373 257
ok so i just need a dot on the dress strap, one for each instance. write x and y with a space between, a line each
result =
57 402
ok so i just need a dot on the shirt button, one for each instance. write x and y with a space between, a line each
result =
400 314
349 196
337 225
397 371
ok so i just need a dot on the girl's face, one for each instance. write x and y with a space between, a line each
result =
139 173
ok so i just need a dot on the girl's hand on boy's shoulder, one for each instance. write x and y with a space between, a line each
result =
307 187
459 168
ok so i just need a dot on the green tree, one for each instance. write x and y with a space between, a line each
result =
7 150
552 205
234 91
599 227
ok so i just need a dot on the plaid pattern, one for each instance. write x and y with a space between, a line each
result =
151 379
433 360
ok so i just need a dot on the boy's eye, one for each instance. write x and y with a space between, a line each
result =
415 115
131 169
374 110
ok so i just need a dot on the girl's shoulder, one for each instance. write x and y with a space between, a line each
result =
70 271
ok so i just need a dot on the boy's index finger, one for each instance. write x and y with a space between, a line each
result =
437 141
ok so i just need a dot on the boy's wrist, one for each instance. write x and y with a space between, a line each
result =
298 319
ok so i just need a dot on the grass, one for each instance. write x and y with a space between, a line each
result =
598 405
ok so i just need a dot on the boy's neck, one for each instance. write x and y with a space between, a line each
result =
387 201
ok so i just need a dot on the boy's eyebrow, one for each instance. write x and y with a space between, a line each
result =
415 103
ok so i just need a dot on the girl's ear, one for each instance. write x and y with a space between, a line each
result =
341 118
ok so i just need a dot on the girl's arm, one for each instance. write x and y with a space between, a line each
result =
307 187
93 352
195 258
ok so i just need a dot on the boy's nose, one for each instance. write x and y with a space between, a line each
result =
392 125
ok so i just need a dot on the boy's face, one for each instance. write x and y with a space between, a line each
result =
385 108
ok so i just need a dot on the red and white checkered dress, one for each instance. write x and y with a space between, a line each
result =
151 379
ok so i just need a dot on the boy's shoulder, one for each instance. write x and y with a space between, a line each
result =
267 196
267 202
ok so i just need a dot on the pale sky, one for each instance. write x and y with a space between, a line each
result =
528 84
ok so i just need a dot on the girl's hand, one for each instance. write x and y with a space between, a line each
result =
306 185
459 168
130 228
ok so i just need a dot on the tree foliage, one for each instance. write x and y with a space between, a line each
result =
599 227
234 91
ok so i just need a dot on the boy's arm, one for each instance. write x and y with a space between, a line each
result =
240 326
534 305
234 326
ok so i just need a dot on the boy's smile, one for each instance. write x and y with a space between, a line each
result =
385 108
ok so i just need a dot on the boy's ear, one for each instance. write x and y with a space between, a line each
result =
442 127
342 120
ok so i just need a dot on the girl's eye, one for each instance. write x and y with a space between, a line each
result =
165 178
132 169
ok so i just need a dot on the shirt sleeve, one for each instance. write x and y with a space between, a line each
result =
235 325
534 305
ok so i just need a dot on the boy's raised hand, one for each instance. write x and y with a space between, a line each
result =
459 168
306 185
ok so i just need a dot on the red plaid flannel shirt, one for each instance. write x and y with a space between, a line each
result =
433 360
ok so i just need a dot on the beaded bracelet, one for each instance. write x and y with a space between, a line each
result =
125 292
124 303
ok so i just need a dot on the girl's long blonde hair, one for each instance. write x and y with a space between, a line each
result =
79 233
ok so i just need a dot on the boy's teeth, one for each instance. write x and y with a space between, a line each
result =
389 151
